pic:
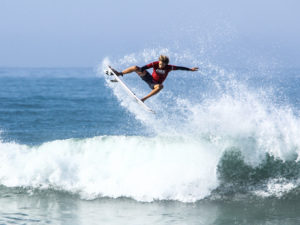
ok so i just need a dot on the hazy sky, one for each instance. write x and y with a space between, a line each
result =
49 33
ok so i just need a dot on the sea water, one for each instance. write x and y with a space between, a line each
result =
222 148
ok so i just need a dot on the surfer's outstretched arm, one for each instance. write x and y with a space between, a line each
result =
184 68
155 90
194 69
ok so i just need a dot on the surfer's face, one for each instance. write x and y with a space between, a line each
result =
161 65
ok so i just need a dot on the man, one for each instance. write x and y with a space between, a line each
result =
161 68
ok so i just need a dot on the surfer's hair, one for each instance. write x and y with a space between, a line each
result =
164 59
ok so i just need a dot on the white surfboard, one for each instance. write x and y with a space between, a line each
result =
126 88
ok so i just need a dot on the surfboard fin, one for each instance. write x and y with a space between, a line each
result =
115 80
108 73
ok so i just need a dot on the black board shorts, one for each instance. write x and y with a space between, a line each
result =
149 80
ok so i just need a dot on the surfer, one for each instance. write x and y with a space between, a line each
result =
161 68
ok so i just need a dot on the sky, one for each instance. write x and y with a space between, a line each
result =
80 33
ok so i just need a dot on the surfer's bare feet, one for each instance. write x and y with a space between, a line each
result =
116 72
143 99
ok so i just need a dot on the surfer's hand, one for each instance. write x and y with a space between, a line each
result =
194 69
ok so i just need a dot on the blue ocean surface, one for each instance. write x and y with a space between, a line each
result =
37 109
222 148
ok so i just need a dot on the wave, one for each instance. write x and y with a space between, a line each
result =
212 136
273 177
146 168
141 168
219 147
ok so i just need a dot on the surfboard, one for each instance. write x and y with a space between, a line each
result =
127 89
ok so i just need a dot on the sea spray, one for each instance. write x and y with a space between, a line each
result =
226 113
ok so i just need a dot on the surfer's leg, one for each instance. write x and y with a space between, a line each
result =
129 70
157 88
134 69
115 71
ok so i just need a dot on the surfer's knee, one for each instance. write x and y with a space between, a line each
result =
136 68
138 71
159 86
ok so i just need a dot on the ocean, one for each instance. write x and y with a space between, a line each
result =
222 148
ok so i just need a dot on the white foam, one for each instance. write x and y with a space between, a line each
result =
142 168
277 188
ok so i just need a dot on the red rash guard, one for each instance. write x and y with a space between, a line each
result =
159 75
